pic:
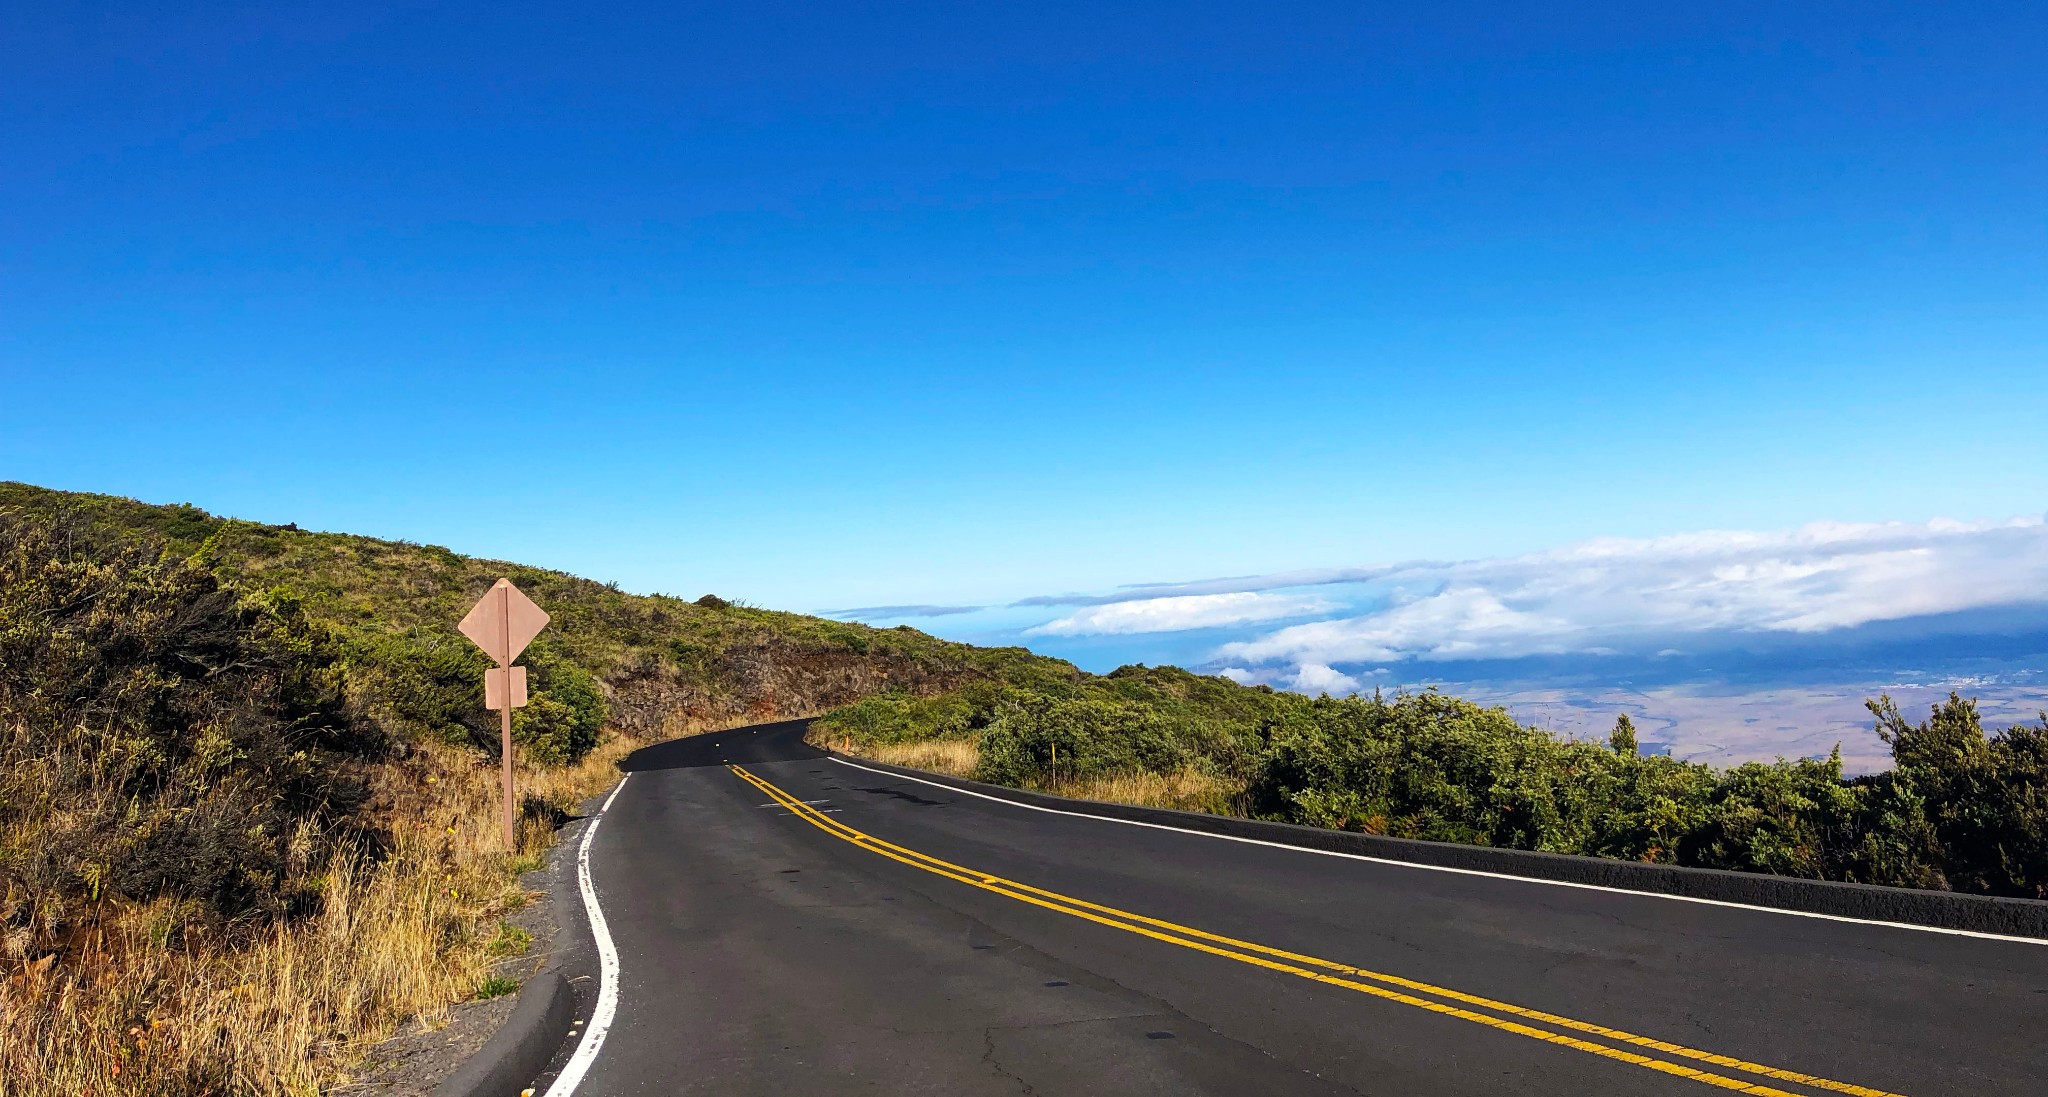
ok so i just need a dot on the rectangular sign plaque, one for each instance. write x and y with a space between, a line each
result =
494 687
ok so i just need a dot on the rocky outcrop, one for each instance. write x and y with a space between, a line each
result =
760 682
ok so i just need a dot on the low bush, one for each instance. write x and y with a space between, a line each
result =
1040 739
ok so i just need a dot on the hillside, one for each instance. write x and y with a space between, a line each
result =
246 778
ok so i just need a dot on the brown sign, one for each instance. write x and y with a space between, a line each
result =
503 622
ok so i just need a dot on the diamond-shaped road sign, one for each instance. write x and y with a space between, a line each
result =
503 622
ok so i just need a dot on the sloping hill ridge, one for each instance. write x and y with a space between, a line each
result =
663 665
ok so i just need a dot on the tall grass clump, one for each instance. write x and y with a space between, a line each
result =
956 757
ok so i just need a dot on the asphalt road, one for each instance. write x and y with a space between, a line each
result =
789 924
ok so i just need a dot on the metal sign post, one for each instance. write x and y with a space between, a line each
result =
502 623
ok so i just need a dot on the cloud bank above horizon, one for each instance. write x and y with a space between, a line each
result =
1604 596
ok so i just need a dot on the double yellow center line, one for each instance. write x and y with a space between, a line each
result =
1451 1003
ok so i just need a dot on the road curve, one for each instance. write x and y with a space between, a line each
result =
786 923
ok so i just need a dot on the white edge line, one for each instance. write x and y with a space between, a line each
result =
607 965
1460 871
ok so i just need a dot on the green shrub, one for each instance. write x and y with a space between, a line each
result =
1035 739
162 737
564 712
426 685
1976 805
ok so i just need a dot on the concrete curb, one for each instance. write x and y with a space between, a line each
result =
522 1046
1937 909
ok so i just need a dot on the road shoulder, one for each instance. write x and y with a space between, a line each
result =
423 1055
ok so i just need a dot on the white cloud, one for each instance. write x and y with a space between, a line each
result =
1178 614
1622 594
1317 678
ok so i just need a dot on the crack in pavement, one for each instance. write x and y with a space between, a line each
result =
988 1058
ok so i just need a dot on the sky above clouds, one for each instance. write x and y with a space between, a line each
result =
956 310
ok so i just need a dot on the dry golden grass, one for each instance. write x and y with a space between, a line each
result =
148 1004
951 756
1185 790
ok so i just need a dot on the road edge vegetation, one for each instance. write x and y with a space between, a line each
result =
1977 914
1963 809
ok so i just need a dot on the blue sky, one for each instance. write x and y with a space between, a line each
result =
832 307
